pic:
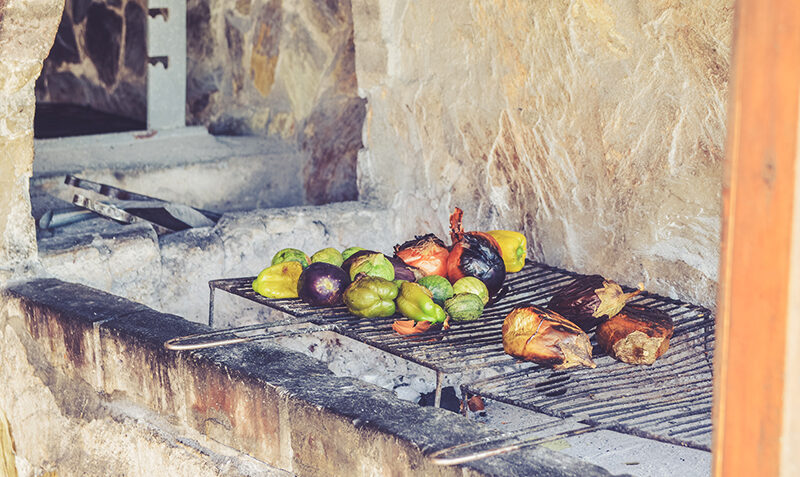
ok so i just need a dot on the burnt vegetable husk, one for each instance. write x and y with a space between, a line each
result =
636 335
590 300
545 337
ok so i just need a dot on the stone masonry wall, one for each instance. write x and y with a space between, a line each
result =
27 28
284 69
99 58
596 127
262 67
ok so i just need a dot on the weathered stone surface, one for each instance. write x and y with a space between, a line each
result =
124 260
27 29
109 74
279 406
103 41
61 424
283 69
596 128
135 38
65 48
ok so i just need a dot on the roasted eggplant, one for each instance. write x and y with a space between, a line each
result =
590 300
636 335
545 337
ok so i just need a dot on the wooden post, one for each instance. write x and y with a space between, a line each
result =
755 278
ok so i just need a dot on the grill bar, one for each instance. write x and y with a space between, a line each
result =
668 401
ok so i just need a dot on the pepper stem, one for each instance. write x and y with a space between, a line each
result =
456 228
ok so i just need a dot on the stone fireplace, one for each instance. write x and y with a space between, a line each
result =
595 128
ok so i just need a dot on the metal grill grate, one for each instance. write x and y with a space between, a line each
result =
668 401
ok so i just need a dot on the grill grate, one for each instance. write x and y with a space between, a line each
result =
668 401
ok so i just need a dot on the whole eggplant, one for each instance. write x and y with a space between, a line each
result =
322 284
590 300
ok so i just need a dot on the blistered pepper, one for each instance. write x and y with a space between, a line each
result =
279 281
371 297
513 248
416 302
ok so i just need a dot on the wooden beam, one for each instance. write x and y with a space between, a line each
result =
758 195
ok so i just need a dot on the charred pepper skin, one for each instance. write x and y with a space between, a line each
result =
371 297
279 281
513 248
416 302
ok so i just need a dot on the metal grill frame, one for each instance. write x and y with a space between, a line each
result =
669 401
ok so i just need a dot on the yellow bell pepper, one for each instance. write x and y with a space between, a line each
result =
513 248
279 280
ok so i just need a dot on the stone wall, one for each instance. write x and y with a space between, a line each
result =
282 69
596 127
27 28
263 67
99 58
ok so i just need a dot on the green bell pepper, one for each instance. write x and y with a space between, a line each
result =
416 302
371 297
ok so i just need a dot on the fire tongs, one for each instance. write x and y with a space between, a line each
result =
127 207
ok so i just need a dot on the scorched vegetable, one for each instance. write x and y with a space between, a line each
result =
427 253
590 300
545 337
636 335
474 254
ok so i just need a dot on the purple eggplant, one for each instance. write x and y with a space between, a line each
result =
322 284
590 300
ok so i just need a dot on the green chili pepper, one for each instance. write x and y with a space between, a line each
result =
416 302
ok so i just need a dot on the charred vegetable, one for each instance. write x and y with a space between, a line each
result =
474 254
590 300
322 284
370 297
427 253
636 335
404 271
374 265
545 337
279 281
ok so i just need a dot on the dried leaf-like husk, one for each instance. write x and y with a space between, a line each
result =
590 300
636 335
545 337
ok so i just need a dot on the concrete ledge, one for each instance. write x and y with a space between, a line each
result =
278 406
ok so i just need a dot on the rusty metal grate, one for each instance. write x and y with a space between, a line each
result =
669 401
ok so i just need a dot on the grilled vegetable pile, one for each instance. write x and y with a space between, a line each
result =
424 281
632 334
427 284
